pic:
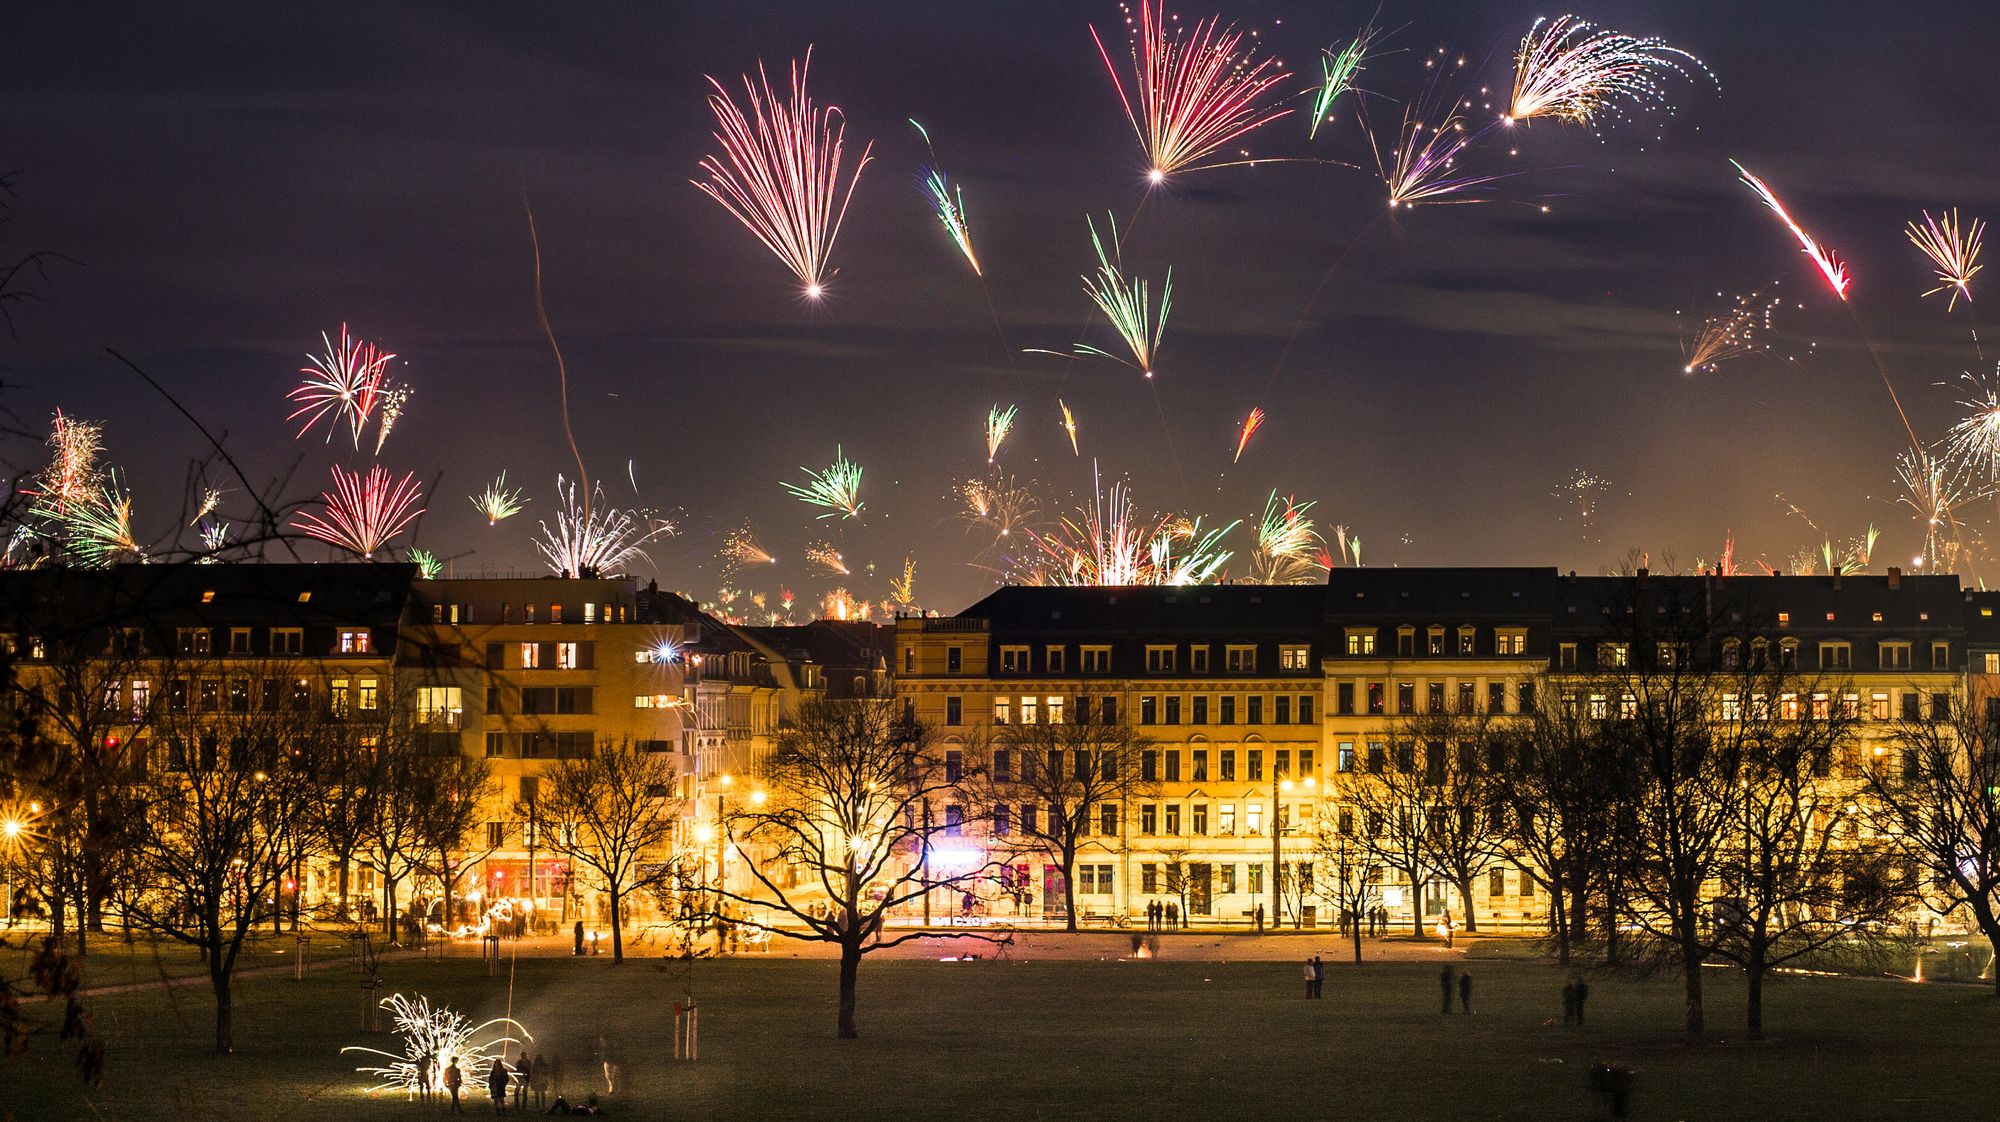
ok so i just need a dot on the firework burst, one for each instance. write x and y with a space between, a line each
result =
71 475
1193 92
1337 71
362 512
1107 543
1423 166
434 1038
346 382
1932 487
499 501
999 505
1069 426
1289 550
595 538
1830 266
740 550
1251 424
395 397
837 489
827 559
1572 70
1953 250
779 173
427 563
1974 442
96 527
947 202
999 422
1731 334
1126 304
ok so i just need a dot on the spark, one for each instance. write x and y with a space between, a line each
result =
779 173
1338 69
1570 69
1583 491
346 382
428 566
827 558
1428 146
947 201
96 528
903 590
1974 443
1126 304
433 1038
999 505
394 397
1830 266
1107 543
837 489
1732 334
71 475
740 551
1289 550
210 499
999 422
1069 426
1251 424
1932 486
1953 250
498 501
364 511
1193 92
594 539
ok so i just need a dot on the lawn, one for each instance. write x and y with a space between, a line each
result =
1069 1040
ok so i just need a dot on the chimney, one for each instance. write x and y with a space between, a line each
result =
1642 573
1895 577
1836 578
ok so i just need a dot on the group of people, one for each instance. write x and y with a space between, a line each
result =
524 1077
1463 985
1575 992
1315 978
1371 922
1164 915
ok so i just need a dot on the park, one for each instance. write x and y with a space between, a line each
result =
1053 1026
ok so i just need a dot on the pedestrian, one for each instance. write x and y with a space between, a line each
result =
523 1073
496 1084
1309 979
541 1082
1260 919
1569 1002
579 939
1319 978
426 1070
453 1080
1465 993
1173 914
1444 984
1382 911
1582 995
610 1061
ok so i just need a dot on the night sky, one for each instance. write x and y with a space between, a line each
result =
232 180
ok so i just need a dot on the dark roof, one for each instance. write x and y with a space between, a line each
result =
1914 602
832 643
56 601
1419 595
1259 610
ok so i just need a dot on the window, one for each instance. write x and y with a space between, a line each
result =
1466 639
1344 757
496 745
1003 709
954 765
1054 707
1835 655
1510 641
1013 660
239 695
1225 819
1294 657
1911 705
1361 642
1200 762
1149 877
1732 707
1566 656
1228 761
1305 708
1097 660
1283 705
1199 818
1003 823
1406 642
1149 766
1992 663
1375 698
336 697
1240 660
1200 716
1053 658
1229 879
1173 709
1306 762
288 640
1228 709
1496 883
1434 698
1003 765
1940 655
239 640
909 659
1614 654
1109 711
1198 658
1253 818
1878 706
1788 707
953 710
531 656
354 641
1524 697
1173 766
1256 765
1159 660
573 656
1788 654
1255 714
1343 698
1173 820
1149 710
1028 714
1406 697
1940 707
1281 764
496 834
1256 878
1149 818
192 640
440 705
1496 697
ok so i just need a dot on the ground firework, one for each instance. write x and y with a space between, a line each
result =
364 510
344 383
1953 250
1570 69
779 173
1107 543
1289 550
999 422
427 563
1830 266
1193 92
433 1039
1126 303
837 489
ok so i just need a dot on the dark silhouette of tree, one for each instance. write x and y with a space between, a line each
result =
615 813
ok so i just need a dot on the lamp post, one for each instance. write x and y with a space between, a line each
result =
1278 841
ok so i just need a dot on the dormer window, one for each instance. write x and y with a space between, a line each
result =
1160 659
1835 655
1014 660
354 640
1434 640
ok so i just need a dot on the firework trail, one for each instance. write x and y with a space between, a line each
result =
1953 250
434 1038
1732 334
346 382
364 511
210 499
779 172
1422 167
588 540
1251 424
499 501
71 474
903 590
1126 304
1570 69
1830 266
1338 69
947 201
827 559
1069 426
428 566
740 551
395 396
1192 92
838 488
1289 550
999 422
998 505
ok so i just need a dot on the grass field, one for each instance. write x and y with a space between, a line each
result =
1068 1040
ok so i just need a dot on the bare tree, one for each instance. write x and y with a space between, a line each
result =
614 812
453 790
1940 809
348 772
1460 788
395 839
858 800
1392 802
1345 868
1067 785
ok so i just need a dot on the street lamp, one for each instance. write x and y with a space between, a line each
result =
1278 840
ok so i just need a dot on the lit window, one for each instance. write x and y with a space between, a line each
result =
566 656
354 641
531 656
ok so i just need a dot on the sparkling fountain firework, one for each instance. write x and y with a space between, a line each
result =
363 511
499 501
1572 70
598 538
1193 91
346 383
1107 543
427 563
1953 250
779 173
837 489
432 1039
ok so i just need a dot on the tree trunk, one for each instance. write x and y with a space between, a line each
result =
444 880
218 979
343 886
1069 891
82 919
617 927
1559 921
1754 1013
1355 926
1691 959
850 964
1417 906
1471 912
